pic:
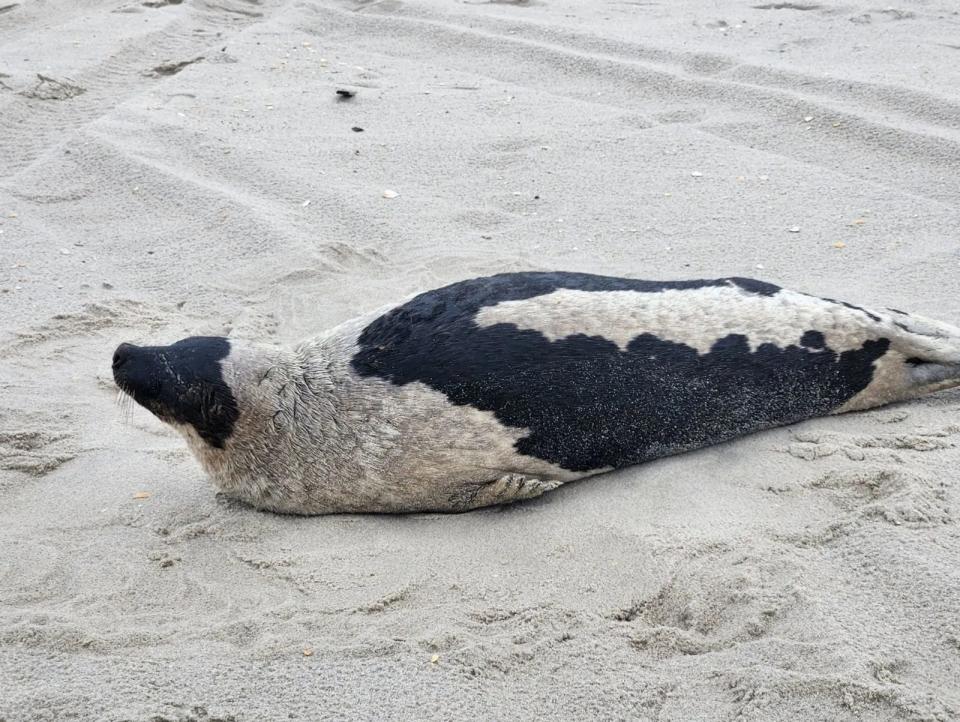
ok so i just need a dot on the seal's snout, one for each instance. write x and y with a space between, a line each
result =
122 355
125 365
137 372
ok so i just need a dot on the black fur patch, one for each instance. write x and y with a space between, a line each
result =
587 403
182 382
871 316
761 288
813 339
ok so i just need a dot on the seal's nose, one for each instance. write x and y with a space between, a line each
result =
122 354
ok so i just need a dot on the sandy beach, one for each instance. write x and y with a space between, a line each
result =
175 168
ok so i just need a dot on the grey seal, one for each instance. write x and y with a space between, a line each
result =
501 388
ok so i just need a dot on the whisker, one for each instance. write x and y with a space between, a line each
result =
125 405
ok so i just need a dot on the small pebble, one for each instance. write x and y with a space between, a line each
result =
794 229
357 129
434 659
697 174
65 251
808 118
305 203
759 266
390 194
307 651
839 244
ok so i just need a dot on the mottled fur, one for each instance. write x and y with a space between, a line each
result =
313 438
332 426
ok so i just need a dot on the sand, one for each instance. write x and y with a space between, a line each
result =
186 168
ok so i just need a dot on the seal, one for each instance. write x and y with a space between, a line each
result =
501 388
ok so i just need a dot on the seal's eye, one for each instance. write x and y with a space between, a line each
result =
181 383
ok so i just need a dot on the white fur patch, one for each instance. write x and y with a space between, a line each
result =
695 317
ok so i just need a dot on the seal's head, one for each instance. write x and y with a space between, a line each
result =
243 408
181 384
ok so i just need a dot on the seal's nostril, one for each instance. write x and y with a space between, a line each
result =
122 355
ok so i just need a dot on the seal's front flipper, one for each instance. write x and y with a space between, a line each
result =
504 490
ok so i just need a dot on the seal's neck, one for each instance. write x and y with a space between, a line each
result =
286 432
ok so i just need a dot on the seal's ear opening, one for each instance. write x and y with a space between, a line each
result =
181 383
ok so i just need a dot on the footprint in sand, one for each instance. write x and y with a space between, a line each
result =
811 445
895 496
711 604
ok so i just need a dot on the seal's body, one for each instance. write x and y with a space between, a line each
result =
501 388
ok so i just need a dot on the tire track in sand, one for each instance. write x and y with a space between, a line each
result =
32 125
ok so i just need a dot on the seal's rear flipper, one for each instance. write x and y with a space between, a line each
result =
931 374
931 350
